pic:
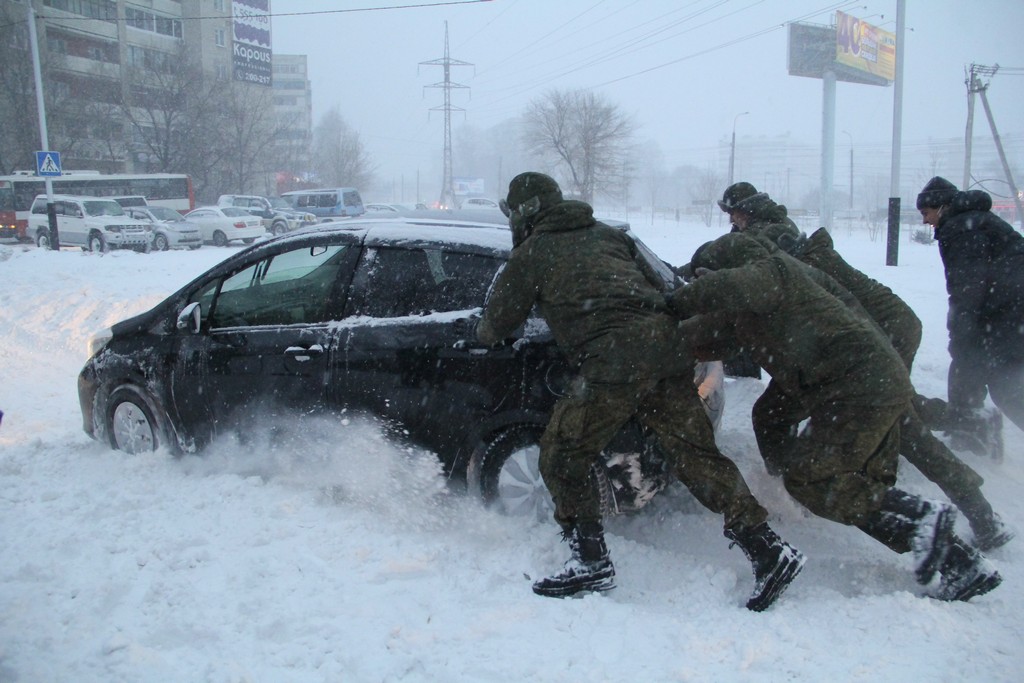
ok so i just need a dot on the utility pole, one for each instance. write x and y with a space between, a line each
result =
51 211
447 193
974 85
732 146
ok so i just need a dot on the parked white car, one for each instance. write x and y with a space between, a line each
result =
170 229
480 202
222 224
92 223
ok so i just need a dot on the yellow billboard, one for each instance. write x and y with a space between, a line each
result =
859 45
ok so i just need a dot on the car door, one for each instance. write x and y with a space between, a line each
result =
399 356
71 223
266 337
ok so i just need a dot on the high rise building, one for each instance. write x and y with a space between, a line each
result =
126 81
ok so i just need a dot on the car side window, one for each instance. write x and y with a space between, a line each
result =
300 286
402 282
327 200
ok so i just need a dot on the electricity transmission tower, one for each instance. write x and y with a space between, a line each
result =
447 193
974 85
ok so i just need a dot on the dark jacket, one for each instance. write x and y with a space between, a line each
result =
984 261
812 344
599 297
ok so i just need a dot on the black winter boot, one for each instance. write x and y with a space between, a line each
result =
906 522
965 573
775 563
990 531
981 433
589 568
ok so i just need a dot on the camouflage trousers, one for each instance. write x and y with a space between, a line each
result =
584 423
841 463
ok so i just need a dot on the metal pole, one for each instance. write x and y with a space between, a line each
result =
828 146
969 133
892 250
851 168
732 148
51 211
1002 154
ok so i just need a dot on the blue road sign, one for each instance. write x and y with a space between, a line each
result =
48 164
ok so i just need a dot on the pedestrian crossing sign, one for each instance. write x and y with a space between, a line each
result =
48 163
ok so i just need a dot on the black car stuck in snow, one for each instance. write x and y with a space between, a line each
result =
368 317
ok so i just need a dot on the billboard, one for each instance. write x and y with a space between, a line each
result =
812 53
864 47
250 23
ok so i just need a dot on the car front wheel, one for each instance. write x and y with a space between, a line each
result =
220 239
43 239
160 242
97 244
508 473
131 421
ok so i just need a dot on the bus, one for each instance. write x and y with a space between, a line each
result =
172 190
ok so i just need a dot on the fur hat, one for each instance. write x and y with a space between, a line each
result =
526 186
734 194
731 250
937 192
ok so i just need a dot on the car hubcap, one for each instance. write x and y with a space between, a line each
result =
131 428
521 489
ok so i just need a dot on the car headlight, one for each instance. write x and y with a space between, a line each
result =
99 340
113 228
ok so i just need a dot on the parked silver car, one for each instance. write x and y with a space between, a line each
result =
170 229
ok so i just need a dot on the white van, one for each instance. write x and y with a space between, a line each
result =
92 223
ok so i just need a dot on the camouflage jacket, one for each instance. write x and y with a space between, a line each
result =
897 320
603 303
811 343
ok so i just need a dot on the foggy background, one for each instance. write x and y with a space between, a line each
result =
683 72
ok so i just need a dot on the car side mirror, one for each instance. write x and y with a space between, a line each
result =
191 318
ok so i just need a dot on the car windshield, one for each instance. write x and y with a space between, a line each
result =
103 207
278 203
232 211
162 213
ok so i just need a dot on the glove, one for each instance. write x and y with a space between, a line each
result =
465 330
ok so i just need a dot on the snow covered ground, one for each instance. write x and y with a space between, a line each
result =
340 557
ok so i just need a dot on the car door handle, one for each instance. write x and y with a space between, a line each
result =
303 354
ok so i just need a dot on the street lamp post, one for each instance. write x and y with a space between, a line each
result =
732 148
851 168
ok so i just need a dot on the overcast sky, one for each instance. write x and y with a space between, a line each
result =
683 70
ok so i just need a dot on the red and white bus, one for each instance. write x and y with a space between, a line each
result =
18 191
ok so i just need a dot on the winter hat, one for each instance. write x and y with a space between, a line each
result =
755 205
527 186
734 194
937 192
731 250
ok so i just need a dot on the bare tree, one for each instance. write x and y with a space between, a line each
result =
173 116
339 157
248 133
586 135
704 193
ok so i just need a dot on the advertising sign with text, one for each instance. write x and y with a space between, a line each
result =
859 45
251 41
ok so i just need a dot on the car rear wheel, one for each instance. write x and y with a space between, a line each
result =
131 421
161 243
248 240
279 228
220 239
